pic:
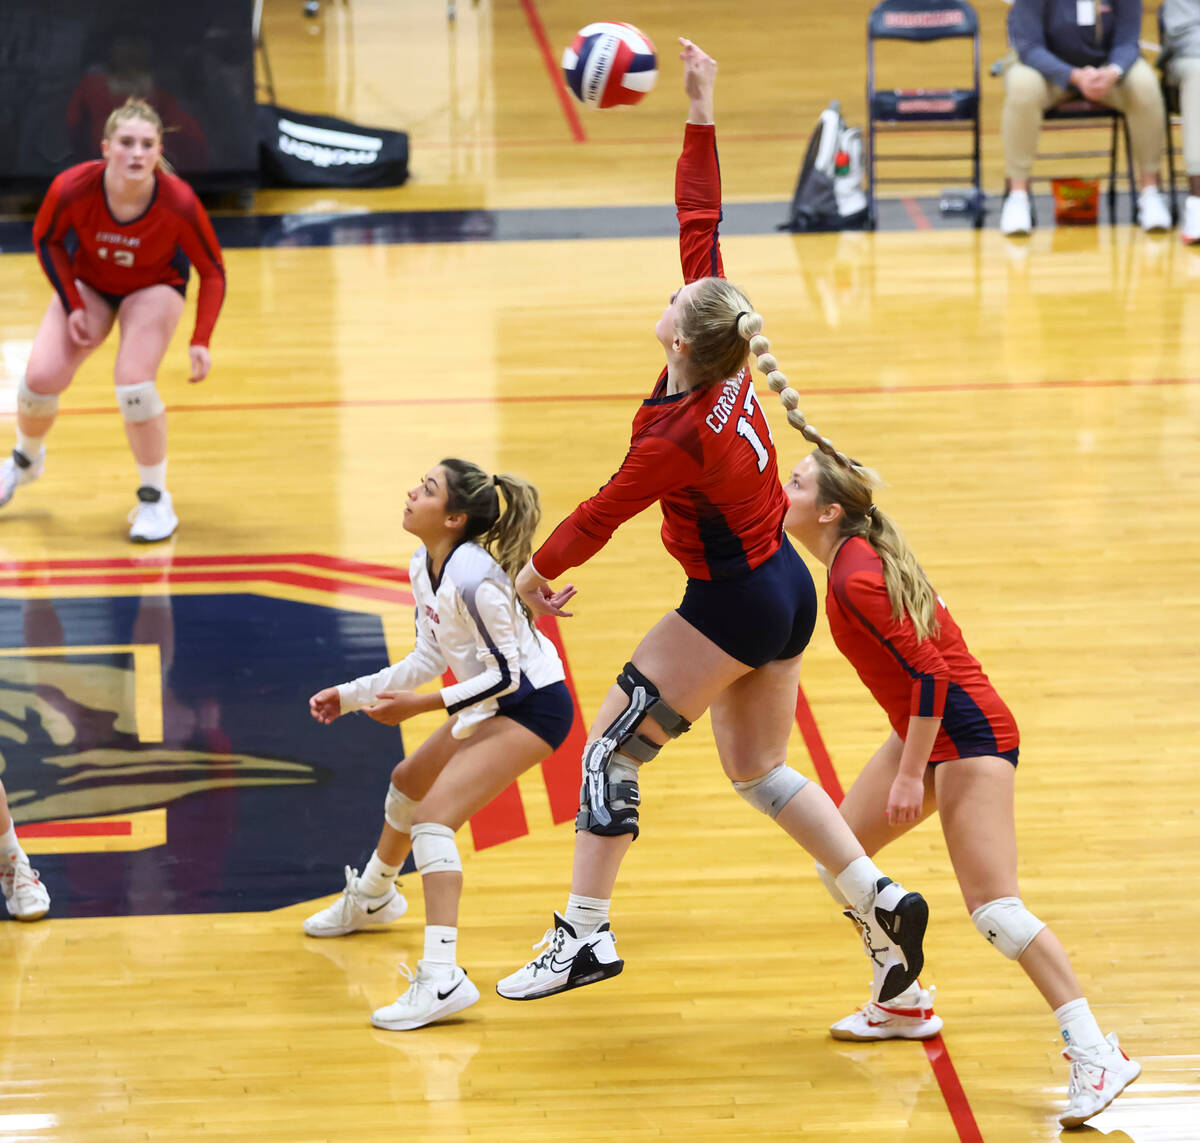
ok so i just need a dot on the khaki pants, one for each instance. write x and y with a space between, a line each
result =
1185 71
1028 93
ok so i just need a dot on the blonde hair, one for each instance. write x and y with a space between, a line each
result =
134 108
851 486
711 320
507 534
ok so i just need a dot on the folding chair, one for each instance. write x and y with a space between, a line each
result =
901 111
1171 113
1078 112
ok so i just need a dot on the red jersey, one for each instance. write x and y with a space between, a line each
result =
76 236
706 454
935 677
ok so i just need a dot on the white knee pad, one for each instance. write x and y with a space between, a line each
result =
434 850
1007 924
831 886
399 810
139 402
35 404
773 790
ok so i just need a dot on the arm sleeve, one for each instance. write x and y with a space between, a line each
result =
1127 30
495 616
423 663
1027 34
652 467
698 203
50 229
865 597
200 244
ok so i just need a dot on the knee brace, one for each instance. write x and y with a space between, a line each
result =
771 792
609 798
399 810
1007 924
139 402
35 404
434 850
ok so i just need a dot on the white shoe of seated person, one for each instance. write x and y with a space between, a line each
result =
909 1017
1189 232
568 961
1016 216
1098 1076
1154 215
354 910
437 991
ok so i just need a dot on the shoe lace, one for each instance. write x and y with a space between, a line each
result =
416 982
345 904
552 942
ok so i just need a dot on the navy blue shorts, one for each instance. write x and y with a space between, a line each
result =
548 712
759 617
983 750
115 300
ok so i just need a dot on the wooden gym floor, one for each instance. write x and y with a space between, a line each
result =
1036 410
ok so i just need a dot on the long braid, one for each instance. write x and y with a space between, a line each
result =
750 327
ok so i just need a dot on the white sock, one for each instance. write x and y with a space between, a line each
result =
441 945
377 878
29 446
586 914
10 848
831 886
153 475
1077 1024
857 883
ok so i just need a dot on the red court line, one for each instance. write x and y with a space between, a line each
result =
77 829
916 214
935 1050
359 567
556 79
294 579
608 398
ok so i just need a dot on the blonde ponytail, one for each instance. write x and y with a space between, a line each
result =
851 485
134 108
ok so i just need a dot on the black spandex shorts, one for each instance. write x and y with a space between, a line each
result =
759 617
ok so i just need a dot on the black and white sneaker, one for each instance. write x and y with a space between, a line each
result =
568 961
893 931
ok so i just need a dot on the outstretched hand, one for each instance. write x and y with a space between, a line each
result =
539 596
326 705
699 72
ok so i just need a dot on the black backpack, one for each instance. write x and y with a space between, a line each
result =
829 192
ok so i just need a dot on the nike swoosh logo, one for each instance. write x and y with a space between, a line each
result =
876 1023
378 907
1100 1086
555 966
443 995
447 941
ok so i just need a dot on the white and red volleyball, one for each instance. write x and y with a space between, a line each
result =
610 65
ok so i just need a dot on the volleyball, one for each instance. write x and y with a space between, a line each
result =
610 65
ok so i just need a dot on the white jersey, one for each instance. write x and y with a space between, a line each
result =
470 622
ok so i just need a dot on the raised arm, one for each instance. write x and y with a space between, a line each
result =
698 173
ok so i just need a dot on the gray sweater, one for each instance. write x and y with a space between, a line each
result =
1048 37
1181 27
